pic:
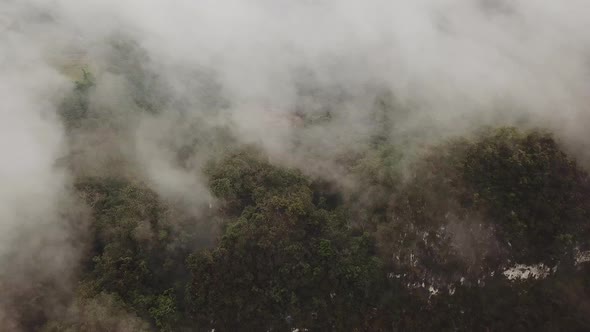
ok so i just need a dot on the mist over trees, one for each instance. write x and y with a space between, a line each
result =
390 240
294 166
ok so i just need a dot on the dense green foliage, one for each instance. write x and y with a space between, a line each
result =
287 258
414 244
532 190
133 258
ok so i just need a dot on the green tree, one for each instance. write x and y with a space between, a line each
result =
133 256
282 261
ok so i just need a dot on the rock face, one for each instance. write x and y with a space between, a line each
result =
521 271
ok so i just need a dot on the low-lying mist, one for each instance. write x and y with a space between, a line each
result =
146 95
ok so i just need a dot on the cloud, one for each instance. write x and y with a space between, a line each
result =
259 69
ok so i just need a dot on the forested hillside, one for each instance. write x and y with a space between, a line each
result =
294 166
407 247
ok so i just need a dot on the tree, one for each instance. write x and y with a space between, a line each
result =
133 257
283 261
